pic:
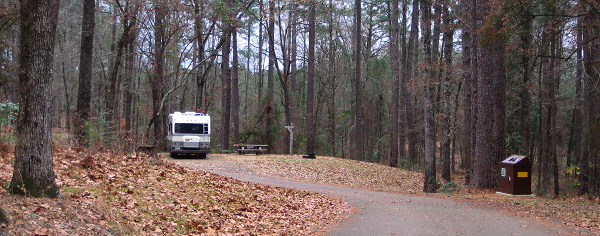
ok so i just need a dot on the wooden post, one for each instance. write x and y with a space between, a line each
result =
291 129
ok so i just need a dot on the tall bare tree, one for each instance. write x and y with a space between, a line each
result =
33 173
310 81
84 91
158 83
357 140
226 86
549 86
468 129
430 180
235 91
588 161
491 86
409 57
269 103
395 66
446 121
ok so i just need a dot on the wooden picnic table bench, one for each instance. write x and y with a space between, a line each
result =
251 148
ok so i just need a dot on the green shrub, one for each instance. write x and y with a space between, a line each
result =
8 112
449 187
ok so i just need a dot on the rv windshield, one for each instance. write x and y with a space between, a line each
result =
183 128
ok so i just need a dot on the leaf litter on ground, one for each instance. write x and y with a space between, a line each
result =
106 193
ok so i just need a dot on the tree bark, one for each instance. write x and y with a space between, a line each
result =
310 81
33 173
447 90
395 67
112 101
491 88
158 83
235 91
430 181
589 160
331 82
84 92
548 111
468 126
269 105
225 90
409 58
357 137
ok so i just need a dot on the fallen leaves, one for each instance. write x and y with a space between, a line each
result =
109 194
334 171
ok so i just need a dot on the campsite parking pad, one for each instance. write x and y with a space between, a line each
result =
381 213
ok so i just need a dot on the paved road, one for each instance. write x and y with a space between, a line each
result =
382 213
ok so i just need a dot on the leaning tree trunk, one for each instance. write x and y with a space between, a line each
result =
33 173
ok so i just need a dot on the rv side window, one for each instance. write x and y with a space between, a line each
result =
183 128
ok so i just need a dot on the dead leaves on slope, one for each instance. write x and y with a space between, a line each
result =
335 171
108 194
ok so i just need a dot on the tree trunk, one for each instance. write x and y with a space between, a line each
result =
235 92
225 90
591 97
524 97
447 90
261 40
199 53
409 58
269 105
128 86
331 109
430 181
112 100
84 92
357 137
310 81
468 125
33 173
548 112
574 149
294 91
158 83
395 67
491 89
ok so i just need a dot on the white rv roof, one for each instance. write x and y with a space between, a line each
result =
189 116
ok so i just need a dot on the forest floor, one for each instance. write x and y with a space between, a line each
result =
112 194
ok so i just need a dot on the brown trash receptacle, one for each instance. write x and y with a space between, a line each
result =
515 175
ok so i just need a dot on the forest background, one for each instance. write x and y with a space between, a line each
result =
441 86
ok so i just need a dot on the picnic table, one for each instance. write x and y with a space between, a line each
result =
251 148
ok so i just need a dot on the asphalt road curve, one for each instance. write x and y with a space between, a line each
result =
380 213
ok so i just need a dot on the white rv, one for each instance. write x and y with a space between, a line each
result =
189 134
